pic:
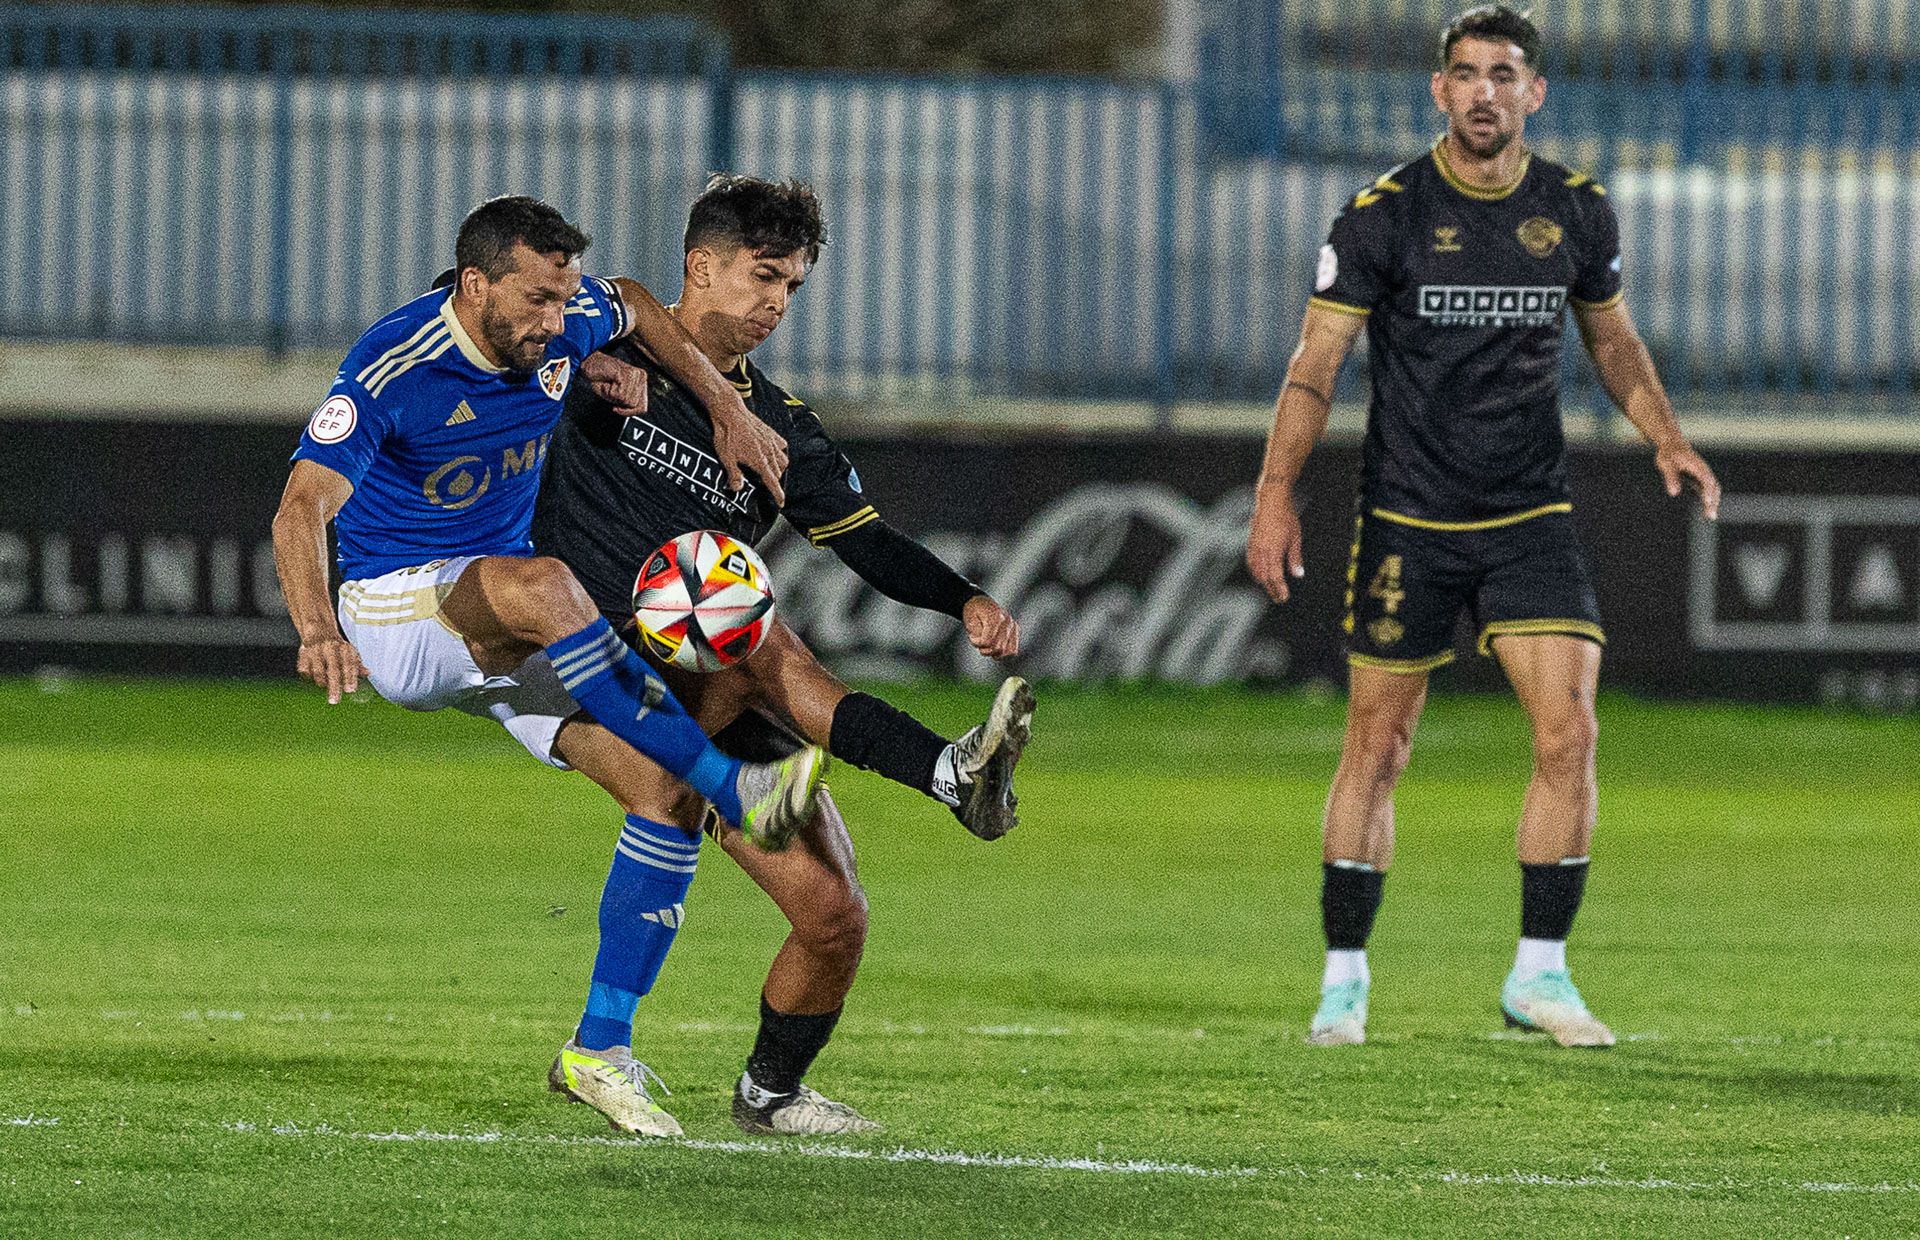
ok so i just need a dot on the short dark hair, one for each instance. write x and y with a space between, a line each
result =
1496 22
488 234
775 218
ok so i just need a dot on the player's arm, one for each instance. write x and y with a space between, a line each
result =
1299 420
907 572
739 439
1626 371
313 496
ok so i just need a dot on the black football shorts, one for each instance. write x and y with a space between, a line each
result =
1409 580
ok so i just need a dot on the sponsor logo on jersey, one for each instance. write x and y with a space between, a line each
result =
462 412
1446 239
1540 235
1483 305
1329 269
649 447
453 485
554 376
334 420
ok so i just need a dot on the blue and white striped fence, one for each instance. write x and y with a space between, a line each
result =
990 238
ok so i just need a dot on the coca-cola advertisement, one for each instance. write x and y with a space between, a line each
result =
142 547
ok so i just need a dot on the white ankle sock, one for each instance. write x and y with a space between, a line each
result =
1540 956
1345 966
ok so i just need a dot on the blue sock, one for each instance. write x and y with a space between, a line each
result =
640 912
613 684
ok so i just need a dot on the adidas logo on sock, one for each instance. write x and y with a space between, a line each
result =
671 918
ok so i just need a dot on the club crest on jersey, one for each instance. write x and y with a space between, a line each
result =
554 376
1540 235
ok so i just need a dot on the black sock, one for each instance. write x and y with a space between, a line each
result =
877 737
1549 897
787 1047
1349 897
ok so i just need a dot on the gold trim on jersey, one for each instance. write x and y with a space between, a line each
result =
1404 667
1474 191
1580 178
1608 304
468 349
1536 628
833 529
398 353
1339 307
742 381
1491 523
1384 184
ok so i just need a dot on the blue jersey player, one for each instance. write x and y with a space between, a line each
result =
426 458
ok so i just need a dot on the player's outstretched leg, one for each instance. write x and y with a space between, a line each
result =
972 776
502 604
641 910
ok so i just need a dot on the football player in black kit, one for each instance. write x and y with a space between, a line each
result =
1460 266
632 465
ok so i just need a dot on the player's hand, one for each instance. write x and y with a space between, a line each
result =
992 631
1274 554
743 441
1680 465
621 384
333 664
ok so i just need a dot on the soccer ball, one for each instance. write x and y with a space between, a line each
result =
703 601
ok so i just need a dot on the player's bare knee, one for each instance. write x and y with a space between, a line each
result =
1564 746
835 926
1379 746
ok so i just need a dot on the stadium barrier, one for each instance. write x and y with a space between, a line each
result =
250 179
144 548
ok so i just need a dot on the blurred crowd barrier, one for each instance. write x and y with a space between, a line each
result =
282 177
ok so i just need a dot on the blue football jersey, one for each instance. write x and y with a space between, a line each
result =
443 448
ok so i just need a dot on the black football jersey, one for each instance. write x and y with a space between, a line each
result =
617 488
1465 292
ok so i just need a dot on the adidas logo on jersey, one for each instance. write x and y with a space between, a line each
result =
462 412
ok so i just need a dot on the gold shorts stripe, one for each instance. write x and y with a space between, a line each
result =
833 529
1608 304
1491 523
1338 307
1401 666
403 607
1541 628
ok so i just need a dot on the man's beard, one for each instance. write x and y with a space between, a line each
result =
516 351
1486 148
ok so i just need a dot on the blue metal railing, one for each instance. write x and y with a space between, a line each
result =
283 177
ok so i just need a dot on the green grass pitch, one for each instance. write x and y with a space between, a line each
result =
273 969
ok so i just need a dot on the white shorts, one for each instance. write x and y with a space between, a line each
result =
416 660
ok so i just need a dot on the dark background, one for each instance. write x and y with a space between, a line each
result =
138 547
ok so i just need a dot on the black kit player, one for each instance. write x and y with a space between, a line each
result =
632 465
1460 265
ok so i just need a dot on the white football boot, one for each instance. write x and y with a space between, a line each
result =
613 1083
803 1113
1549 1002
984 758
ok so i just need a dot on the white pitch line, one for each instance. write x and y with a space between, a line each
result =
1032 1162
33 1121
899 1154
